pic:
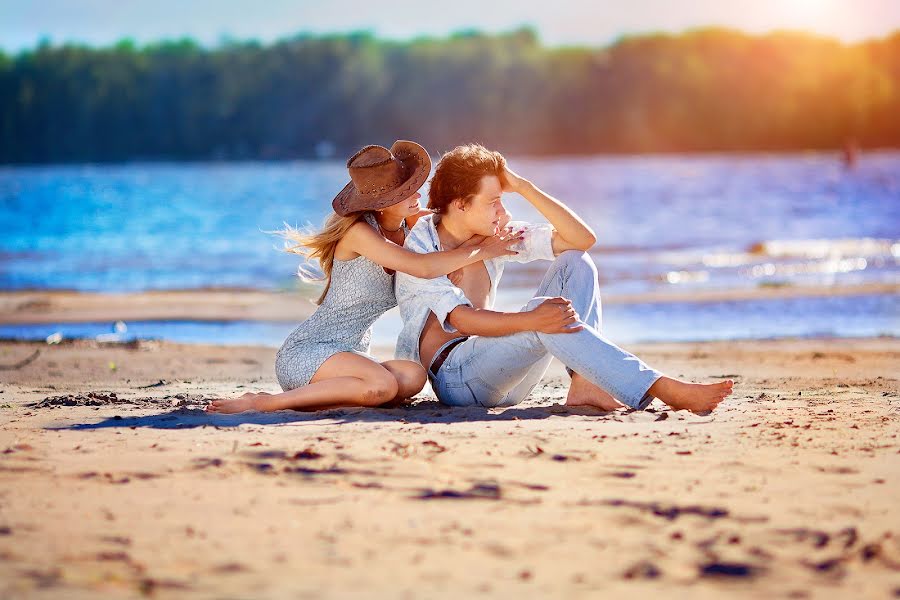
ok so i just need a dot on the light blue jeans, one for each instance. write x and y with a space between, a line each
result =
502 371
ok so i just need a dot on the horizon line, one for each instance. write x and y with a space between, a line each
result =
225 39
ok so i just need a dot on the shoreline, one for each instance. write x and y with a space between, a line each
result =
66 306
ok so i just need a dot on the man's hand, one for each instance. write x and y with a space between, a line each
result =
554 315
510 181
572 233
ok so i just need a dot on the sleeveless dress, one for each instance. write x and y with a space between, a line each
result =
360 292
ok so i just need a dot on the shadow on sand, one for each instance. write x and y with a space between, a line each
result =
421 412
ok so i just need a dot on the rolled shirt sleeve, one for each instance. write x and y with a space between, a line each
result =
538 242
418 296
438 294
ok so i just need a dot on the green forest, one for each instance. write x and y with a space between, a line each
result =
326 95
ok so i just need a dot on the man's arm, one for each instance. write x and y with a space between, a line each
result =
454 312
437 293
554 315
572 233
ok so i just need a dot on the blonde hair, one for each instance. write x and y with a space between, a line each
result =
319 245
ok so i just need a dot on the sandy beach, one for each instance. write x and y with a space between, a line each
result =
713 186
115 483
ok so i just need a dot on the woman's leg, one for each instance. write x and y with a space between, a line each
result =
345 379
410 377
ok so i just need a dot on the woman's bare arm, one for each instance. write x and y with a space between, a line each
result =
361 239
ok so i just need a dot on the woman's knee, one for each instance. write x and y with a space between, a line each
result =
378 388
410 384
410 377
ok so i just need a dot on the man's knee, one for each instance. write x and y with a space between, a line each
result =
535 302
578 260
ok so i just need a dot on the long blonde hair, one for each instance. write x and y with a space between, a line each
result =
318 245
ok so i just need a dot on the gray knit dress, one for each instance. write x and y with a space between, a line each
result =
360 292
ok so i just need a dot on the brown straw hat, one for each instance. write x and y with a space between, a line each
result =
380 177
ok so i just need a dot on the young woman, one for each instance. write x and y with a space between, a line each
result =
325 362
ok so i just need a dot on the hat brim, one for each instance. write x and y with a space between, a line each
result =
417 165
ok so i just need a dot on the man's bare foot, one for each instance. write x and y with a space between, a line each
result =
695 397
584 393
235 405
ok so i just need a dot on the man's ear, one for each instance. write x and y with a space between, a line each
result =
460 204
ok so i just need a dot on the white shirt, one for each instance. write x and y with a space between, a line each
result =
420 297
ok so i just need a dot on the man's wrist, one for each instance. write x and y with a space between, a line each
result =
520 321
525 188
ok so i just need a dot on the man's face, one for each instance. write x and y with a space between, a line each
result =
485 212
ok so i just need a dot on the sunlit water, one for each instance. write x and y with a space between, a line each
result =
664 223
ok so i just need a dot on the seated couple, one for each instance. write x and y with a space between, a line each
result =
443 266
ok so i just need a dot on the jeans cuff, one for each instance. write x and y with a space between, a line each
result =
643 384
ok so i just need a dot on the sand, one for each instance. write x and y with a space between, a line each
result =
115 483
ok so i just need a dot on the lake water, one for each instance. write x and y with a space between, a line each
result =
663 222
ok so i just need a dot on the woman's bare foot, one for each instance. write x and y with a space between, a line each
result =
235 405
695 397
584 393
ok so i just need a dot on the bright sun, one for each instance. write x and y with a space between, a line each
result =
810 12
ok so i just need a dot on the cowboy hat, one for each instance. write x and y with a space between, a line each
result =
380 177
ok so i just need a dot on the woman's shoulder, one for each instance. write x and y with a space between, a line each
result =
366 223
345 249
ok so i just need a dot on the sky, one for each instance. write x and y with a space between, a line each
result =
23 23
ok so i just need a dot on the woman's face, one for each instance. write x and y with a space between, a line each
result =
406 208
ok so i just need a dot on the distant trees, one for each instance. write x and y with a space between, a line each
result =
705 90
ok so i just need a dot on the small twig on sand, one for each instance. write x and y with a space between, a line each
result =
21 363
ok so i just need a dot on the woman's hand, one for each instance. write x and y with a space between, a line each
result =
500 244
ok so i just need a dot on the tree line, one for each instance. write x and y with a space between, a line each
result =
327 95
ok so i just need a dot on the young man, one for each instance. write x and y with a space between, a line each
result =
477 356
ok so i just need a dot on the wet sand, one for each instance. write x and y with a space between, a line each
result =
115 483
42 306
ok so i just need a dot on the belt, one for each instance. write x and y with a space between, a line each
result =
443 353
